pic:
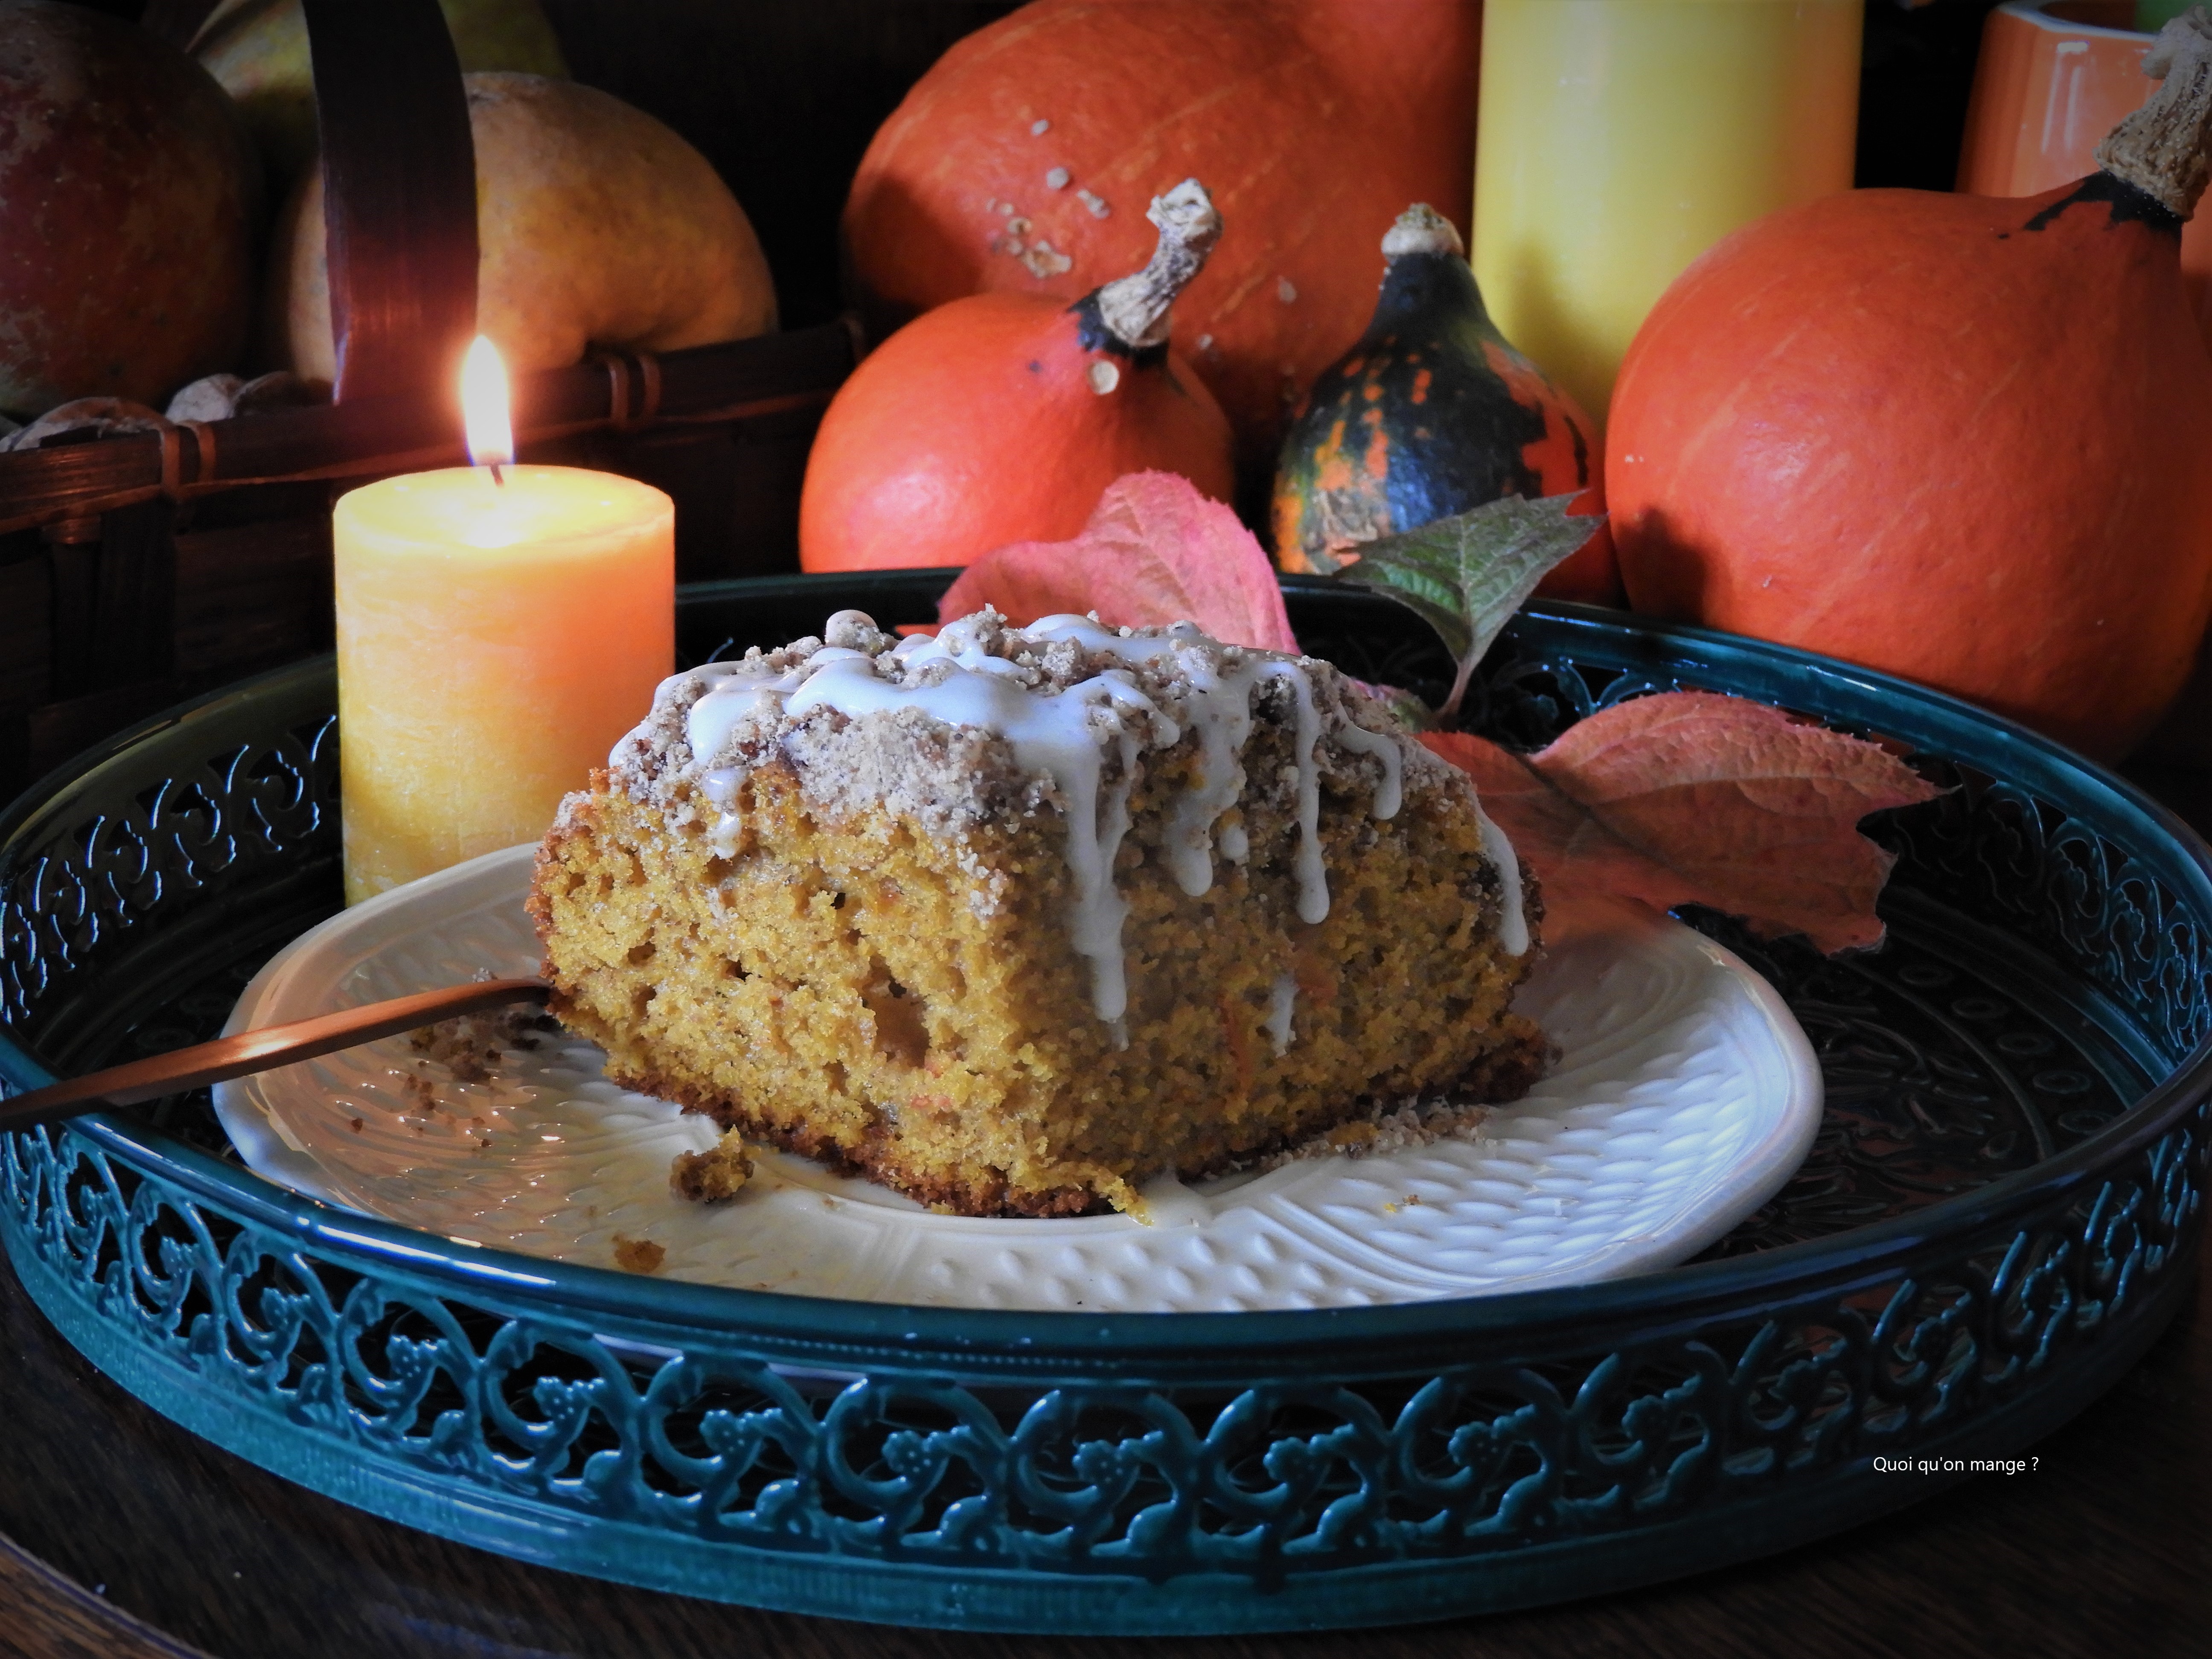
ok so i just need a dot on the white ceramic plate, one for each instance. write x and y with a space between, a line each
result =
1686 1096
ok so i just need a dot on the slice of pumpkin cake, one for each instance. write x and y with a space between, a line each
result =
1012 919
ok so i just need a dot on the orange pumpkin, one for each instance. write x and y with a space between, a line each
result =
1021 161
1002 417
1961 438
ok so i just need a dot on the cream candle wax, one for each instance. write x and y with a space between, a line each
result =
498 629
1616 140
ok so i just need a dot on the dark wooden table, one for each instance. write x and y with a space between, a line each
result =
122 1536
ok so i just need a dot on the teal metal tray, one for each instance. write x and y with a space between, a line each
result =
2001 1211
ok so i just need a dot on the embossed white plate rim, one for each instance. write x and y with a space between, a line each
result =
302 979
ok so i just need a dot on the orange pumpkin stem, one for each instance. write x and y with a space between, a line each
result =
2161 149
1135 308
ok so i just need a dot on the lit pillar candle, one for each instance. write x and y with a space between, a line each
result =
499 627
1616 140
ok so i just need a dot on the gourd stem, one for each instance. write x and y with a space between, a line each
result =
1135 308
2161 149
1421 229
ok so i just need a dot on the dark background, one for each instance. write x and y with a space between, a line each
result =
783 95
783 98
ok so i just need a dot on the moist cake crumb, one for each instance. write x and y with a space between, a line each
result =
639 1255
715 1175
471 1045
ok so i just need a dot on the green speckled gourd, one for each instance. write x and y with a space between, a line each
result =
1432 413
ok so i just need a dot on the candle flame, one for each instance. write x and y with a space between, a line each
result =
485 408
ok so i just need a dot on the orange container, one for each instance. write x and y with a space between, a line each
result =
2053 78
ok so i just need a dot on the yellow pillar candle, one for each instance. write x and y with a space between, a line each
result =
1616 140
495 640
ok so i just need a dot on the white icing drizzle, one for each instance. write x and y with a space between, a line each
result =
1168 1203
1067 735
1221 715
720 787
1390 795
1284 999
1513 929
1313 878
1222 710
1058 735
735 690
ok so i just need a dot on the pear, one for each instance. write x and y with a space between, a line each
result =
596 225
257 49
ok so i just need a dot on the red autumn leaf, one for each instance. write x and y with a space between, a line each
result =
1692 798
1155 551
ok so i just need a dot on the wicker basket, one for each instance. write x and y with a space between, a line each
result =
138 568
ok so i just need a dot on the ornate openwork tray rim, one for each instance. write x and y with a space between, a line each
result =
1978 1246
870 1334
1132 1342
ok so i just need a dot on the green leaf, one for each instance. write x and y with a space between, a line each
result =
1466 575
